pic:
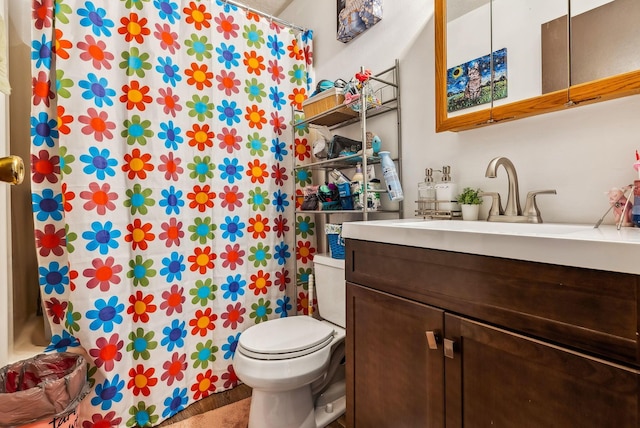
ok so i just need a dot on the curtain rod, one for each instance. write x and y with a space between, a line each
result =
264 14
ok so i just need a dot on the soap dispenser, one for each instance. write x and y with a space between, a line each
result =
426 192
446 192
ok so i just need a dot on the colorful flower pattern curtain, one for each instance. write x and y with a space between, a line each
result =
163 192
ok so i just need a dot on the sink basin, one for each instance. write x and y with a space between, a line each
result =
528 229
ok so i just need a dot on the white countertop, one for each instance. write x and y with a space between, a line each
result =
579 245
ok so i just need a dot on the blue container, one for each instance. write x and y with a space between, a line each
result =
346 199
336 242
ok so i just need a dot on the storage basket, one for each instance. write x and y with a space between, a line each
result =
336 242
328 100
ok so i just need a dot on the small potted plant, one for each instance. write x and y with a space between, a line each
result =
470 201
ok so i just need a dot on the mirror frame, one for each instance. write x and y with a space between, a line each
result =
608 88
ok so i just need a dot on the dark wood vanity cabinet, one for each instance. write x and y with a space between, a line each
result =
400 380
503 379
442 339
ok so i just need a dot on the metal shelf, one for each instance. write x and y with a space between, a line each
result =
348 212
339 162
342 120
386 86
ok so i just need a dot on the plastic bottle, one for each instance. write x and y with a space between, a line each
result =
356 187
394 188
371 172
446 192
358 175
373 188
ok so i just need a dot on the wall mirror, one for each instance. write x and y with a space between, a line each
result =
500 60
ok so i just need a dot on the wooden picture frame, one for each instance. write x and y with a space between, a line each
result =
354 17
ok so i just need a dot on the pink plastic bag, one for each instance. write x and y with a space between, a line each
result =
43 390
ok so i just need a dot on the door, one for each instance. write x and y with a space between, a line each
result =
496 378
394 378
6 311
6 297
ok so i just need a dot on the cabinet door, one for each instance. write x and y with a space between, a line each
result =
393 378
500 379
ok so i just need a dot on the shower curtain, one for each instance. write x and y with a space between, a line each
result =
163 193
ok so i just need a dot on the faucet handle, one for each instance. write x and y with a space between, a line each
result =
531 209
496 203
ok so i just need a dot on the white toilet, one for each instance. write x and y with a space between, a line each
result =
295 365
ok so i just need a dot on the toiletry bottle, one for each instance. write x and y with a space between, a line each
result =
356 187
358 175
446 192
426 192
390 174
373 187
371 173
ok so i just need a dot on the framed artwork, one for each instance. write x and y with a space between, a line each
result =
356 16
470 84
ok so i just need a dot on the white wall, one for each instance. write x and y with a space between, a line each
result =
580 152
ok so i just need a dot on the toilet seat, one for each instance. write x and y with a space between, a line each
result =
285 338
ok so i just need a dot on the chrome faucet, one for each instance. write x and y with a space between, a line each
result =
512 213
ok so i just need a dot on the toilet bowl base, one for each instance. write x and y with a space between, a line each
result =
284 409
295 409
327 413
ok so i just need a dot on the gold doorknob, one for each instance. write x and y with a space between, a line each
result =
11 169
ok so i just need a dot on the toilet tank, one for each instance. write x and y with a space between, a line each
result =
330 288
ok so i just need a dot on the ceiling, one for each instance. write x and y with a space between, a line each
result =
270 7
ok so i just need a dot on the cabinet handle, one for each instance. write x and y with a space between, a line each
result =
450 347
433 338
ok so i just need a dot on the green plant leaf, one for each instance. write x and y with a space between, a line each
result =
470 196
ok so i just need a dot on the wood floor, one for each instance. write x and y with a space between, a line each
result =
222 399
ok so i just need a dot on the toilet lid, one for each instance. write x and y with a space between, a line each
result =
284 338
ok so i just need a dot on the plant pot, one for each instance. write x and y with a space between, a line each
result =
470 212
